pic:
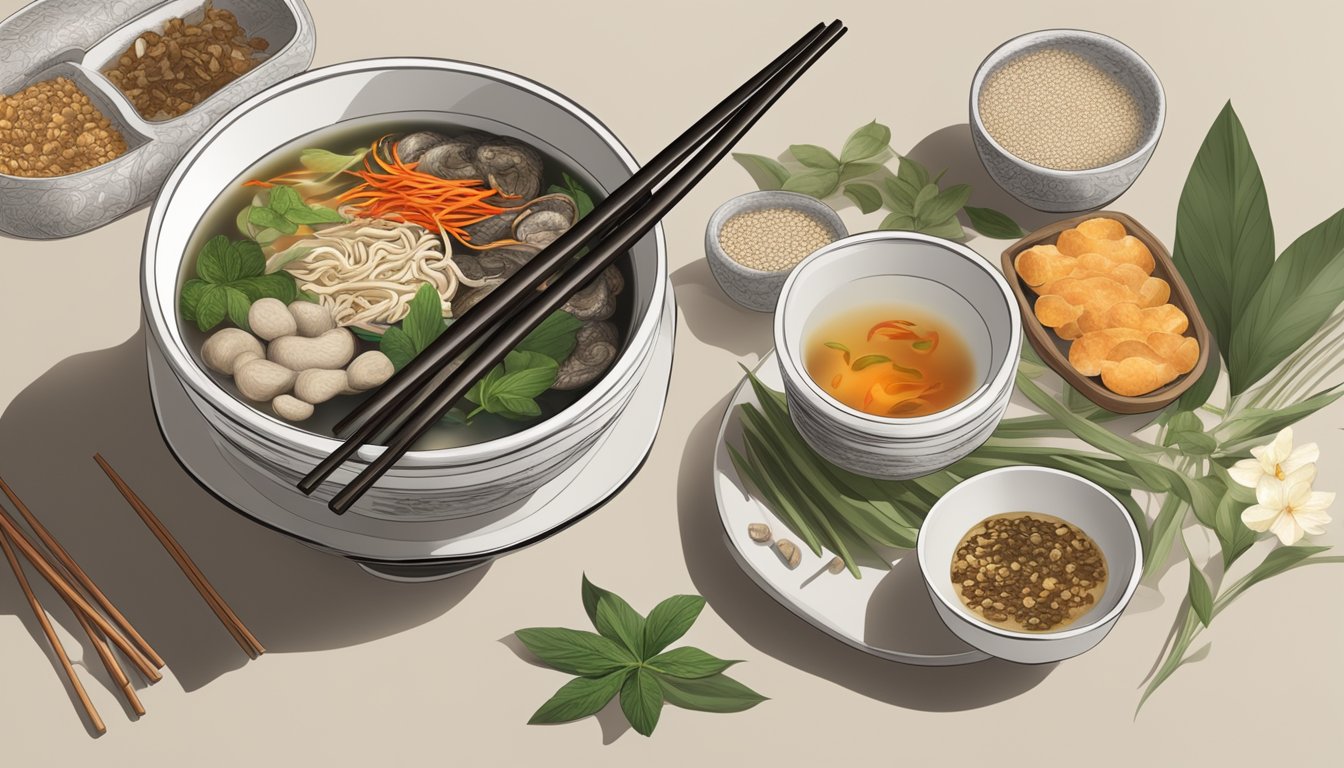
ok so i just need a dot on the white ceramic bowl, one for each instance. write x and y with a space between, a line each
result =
423 485
895 269
1048 189
1045 491
759 289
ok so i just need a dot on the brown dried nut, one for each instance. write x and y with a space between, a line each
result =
220 352
291 408
836 565
789 552
759 532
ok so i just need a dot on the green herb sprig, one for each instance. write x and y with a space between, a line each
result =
913 199
627 656
230 275
282 213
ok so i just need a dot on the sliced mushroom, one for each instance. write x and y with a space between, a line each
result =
597 347
491 267
595 301
412 146
558 214
454 158
511 167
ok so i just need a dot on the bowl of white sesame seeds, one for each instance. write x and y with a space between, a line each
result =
754 241
1065 120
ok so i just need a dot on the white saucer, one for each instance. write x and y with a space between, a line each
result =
585 486
885 613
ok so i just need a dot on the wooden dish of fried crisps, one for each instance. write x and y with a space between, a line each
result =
1104 306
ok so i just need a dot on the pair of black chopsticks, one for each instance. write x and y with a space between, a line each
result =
420 394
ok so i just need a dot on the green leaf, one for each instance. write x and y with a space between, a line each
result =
1198 393
1234 538
813 156
857 170
398 347
218 261
687 662
313 214
283 199
910 171
867 197
818 183
669 620
1224 236
766 172
946 204
1277 561
642 701
1201 600
868 141
867 360
555 337
251 262
324 161
950 229
579 698
1193 443
898 221
527 374
591 594
212 306
575 651
1303 288
716 693
238 304
267 218
992 223
190 298
618 621
926 194
1165 528
424 320
902 193
516 407
582 200
1251 424
277 285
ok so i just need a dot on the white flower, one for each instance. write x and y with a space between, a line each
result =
1276 460
1288 508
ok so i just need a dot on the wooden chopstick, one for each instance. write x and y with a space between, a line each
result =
227 617
77 601
426 407
79 575
114 669
55 641
385 403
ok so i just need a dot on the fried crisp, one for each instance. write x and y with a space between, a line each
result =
1088 350
1043 264
1165 318
1136 376
1127 249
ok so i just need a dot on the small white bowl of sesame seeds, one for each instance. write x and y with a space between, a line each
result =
1065 120
754 241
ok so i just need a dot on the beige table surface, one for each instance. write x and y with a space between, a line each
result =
364 672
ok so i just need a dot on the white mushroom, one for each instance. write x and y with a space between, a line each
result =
263 380
318 385
369 370
220 352
311 320
331 350
270 319
291 408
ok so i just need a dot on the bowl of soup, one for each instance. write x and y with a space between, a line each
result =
898 351
324 232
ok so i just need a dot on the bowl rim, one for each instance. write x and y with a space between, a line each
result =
967 410
997 55
269 428
1092 624
799 202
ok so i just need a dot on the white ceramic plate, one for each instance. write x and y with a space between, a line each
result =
885 613
586 485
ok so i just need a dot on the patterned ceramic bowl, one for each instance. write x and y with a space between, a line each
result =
889 268
753 288
1047 189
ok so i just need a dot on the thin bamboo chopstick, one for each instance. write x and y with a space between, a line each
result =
55 641
113 668
244 637
79 575
67 591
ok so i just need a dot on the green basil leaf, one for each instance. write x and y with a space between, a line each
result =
314 214
575 651
766 172
865 196
898 221
868 141
818 183
1224 244
424 320
813 156
238 304
477 393
212 306
903 194
618 621
579 698
364 334
277 285
591 594
688 663
582 199
1303 288
716 693
283 199
555 337
218 261
950 229
945 204
1201 599
269 219
855 170
515 407
992 223
324 161
526 374
642 701
251 261
910 171
867 360
922 198
190 298
399 348
669 620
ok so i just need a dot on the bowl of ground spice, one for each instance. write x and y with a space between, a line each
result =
754 241
1065 120
1030 564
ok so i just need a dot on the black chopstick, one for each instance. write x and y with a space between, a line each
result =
425 407
385 403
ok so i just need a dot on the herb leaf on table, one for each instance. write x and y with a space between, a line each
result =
627 657
229 278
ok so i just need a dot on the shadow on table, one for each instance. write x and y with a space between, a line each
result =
292 597
774 630
715 319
